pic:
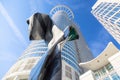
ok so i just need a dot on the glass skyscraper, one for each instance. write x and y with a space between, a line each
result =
72 52
107 13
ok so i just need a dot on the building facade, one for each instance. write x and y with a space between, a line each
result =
21 69
107 12
106 66
72 53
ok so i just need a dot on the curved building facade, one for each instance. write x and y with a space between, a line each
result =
22 68
105 66
73 52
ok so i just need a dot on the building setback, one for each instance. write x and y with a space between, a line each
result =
107 12
105 66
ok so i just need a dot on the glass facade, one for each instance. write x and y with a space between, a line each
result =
62 14
35 49
108 14
106 73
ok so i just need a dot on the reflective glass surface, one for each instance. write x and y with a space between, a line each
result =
115 76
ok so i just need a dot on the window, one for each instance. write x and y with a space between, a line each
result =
118 23
76 76
116 9
28 67
68 68
118 15
115 76
68 72
75 66
110 14
109 67
107 78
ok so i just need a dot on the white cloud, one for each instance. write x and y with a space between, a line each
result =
12 24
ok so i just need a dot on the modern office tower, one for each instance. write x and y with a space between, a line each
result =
73 52
106 66
107 13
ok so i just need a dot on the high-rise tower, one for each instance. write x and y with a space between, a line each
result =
73 52
107 13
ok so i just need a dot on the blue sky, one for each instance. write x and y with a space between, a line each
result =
14 30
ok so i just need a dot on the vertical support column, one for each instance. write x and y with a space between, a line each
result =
115 62
16 78
108 73
89 75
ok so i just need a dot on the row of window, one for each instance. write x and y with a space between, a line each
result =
69 74
36 49
75 66
70 48
23 65
31 55
72 59
66 51
37 45
105 71
61 19
106 10
114 76
64 9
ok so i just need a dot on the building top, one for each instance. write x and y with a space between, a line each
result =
64 9
99 1
102 59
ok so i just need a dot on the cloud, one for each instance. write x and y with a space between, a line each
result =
12 24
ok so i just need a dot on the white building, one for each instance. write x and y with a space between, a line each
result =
21 69
107 13
106 66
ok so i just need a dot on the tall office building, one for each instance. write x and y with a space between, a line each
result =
73 52
107 13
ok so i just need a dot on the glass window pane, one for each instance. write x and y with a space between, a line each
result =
109 67
117 15
115 76
107 78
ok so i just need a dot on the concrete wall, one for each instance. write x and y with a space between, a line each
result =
115 61
89 75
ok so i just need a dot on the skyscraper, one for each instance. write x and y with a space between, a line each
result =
72 52
107 13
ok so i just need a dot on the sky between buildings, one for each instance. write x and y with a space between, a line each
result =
14 29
